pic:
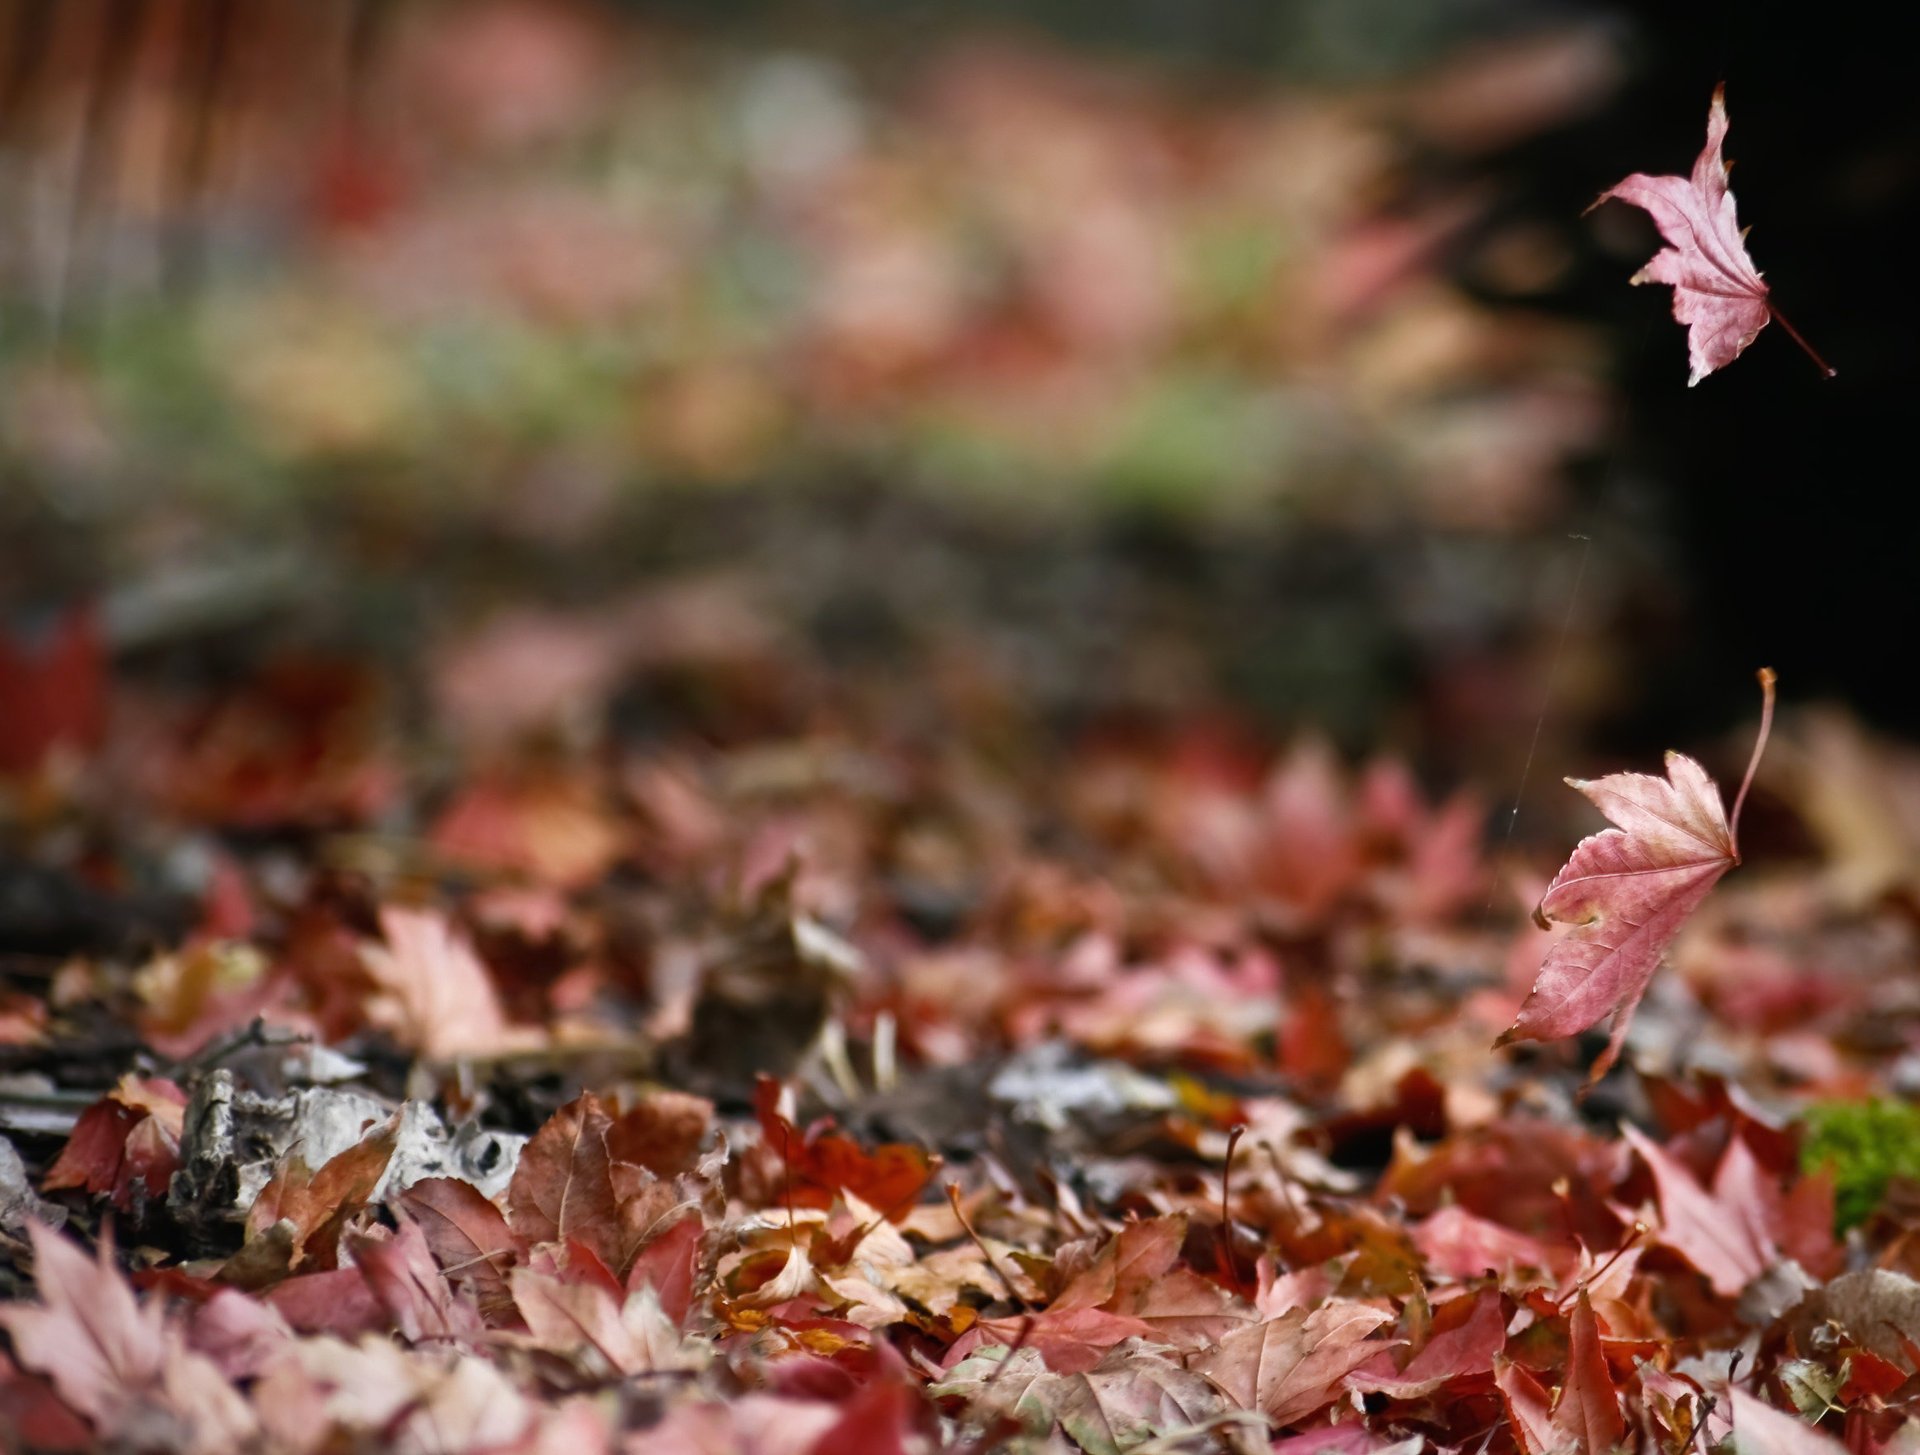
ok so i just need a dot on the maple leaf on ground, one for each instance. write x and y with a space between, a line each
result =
1587 1416
1291 1366
823 1161
1626 892
572 1183
117 1362
431 992
1717 291
131 1135
1722 1232
467 1234
1529 1408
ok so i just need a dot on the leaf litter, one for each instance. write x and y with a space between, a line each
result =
1172 1136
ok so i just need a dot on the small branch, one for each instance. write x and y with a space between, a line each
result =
1753 763
1793 333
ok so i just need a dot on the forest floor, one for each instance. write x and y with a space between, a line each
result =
636 1034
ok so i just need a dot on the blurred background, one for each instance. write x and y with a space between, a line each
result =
1124 367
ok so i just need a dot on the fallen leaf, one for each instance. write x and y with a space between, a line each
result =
1728 1233
1529 1408
297 1220
118 1362
130 1136
1587 1414
1468 1346
431 991
1626 892
1717 292
467 1234
1760 1429
410 1286
824 1161
1290 1366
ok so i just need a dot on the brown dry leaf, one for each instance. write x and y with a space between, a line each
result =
297 1220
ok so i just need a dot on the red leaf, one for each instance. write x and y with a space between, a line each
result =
1588 1413
403 1276
1717 292
469 1236
130 1135
563 1186
669 1265
55 691
1627 891
1529 1409
1720 1232
1468 1347
825 1161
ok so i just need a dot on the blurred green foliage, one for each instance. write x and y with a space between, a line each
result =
1866 1144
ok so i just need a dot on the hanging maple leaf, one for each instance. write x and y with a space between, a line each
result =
1626 891
1717 292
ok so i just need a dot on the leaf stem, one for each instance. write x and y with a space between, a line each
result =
1799 338
1753 763
1234 1134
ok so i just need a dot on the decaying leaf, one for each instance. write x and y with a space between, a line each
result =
1627 891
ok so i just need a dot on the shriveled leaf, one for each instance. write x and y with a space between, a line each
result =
296 1222
1290 1366
1626 892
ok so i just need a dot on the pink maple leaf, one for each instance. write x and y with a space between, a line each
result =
1626 892
1717 292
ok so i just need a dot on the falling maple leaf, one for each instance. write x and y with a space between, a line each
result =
1717 292
1626 891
